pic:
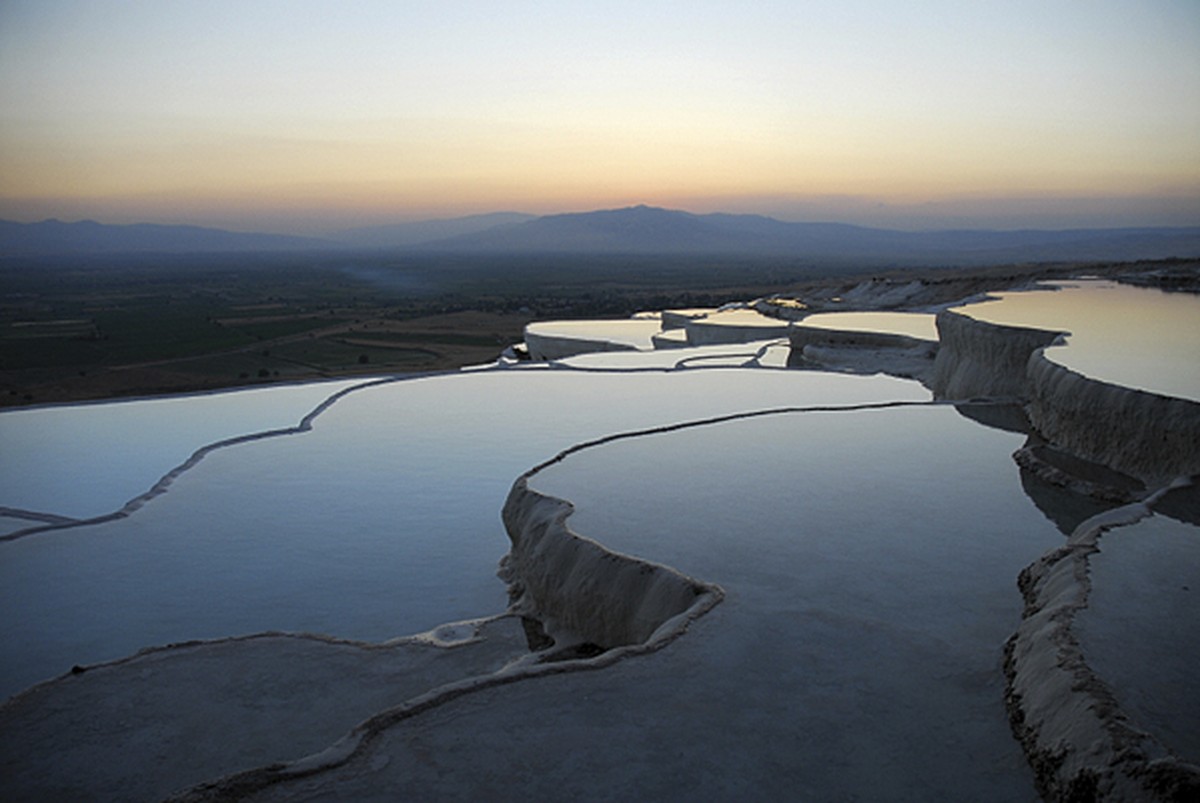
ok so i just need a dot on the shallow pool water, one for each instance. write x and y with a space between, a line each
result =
1137 337
912 324
382 520
868 559
762 354
632 332
868 540
86 460
1141 629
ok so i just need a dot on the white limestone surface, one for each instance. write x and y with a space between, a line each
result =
980 359
678 318
576 586
1147 435
1150 436
670 339
733 326
899 344
1081 742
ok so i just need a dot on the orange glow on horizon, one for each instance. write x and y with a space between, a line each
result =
391 109
460 171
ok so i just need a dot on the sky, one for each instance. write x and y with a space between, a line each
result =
306 117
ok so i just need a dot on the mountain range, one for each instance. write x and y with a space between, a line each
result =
638 230
52 237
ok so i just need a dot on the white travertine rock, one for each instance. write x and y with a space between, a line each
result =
679 318
733 326
575 585
1080 743
1151 437
862 352
1148 436
976 358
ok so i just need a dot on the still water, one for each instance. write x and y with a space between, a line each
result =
89 459
869 561
381 521
1137 337
912 324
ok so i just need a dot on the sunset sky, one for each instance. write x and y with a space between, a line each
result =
298 116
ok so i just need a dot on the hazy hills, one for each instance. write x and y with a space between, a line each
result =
649 230
645 229
639 230
88 236
425 231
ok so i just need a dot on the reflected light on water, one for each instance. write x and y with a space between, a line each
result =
1133 336
911 324
635 332
88 459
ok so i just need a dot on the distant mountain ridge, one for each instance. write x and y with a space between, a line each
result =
651 230
397 235
637 230
88 236
647 229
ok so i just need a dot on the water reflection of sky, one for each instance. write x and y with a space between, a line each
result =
764 353
1133 336
87 460
381 521
912 324
634 332
869 555
1141 629
740 317
866 556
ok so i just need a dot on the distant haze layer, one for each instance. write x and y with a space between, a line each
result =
640 230
294 117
